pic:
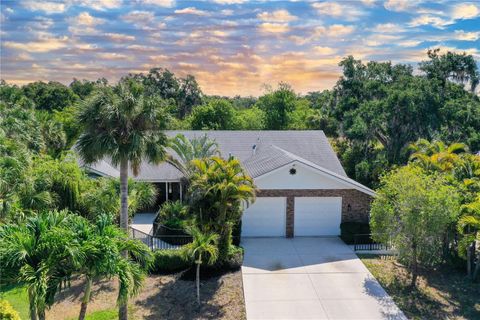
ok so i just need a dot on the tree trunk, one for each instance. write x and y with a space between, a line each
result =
198 283
85 299
124 194
476 272
123 311
414 266
225 241
470 257
41 315
123 306
32 307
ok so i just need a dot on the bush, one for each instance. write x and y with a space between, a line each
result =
7 312
349 229
173 214
235 258
168 261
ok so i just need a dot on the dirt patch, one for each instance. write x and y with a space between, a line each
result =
442 293
162 297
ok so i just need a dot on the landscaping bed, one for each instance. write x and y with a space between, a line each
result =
443 293
162 297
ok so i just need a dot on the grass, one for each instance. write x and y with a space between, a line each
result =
110 314
442 293
18 297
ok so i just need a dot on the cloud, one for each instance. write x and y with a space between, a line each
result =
388 28
137 16
408 43
44 44
324 50
339 10
229 1
192 11
100 5
466 36
49 7
334 30
113 56
430 20
399 5
160 3
85 19
281 16
465 11
268 27
40 23
119 37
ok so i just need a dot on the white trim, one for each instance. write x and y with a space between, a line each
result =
336 177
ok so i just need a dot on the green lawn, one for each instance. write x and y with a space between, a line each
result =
443 293
18 298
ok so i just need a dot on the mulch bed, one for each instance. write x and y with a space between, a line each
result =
162 297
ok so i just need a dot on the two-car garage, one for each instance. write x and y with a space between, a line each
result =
312 216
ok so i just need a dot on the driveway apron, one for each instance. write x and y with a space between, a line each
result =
310 278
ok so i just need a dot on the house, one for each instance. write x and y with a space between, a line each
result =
303 189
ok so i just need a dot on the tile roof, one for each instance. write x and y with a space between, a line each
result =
273 149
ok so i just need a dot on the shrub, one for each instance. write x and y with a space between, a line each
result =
7 312
235 258
168 261
349 229
173 214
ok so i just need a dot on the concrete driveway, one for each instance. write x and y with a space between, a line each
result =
310 278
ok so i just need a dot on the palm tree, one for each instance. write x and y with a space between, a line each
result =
436 155
469 227
126 126
42 253
102 244
218 189
189 149
203 246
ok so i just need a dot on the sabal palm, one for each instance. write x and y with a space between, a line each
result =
126 126
42 253
102 244
189 149
202 249
218 189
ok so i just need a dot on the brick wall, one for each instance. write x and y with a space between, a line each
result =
355 204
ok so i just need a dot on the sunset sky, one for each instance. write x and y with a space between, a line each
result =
230 46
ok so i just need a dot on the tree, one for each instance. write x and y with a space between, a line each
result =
250 119
50 96
469 228
413 210
83 88
189 95
278 105
101 244
189 149
42 253
436 155
216 115
451 66
126 126
217 191
202 249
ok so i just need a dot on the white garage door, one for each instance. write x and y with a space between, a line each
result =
317 216
265 218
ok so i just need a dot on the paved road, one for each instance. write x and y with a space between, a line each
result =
310 278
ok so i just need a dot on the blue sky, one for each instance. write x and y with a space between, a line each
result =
230 46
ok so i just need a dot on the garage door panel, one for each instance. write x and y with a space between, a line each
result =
317 216
265 218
